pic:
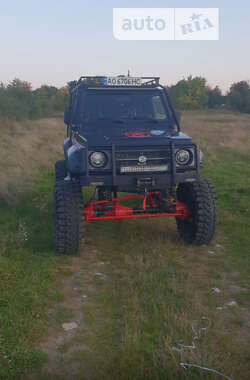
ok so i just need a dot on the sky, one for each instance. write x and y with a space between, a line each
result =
53 42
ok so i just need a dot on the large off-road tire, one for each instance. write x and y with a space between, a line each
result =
68 214
60 170
199 228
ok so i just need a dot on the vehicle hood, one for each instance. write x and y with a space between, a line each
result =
177 137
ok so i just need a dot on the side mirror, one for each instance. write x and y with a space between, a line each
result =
80 139
67 116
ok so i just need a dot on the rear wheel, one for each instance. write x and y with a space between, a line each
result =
60 170
68 214
200 226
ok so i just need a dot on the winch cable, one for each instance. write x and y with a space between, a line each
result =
189 365
197 336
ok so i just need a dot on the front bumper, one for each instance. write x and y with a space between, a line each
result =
112 177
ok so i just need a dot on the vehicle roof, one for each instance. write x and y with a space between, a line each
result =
97 83
127 88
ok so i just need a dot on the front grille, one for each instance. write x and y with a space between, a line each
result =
139 160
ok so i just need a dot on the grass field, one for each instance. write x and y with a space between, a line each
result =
136 289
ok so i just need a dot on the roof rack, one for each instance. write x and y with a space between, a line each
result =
101 81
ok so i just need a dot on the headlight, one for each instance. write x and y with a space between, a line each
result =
183 156
98 159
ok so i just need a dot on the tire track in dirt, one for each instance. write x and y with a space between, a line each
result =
61 345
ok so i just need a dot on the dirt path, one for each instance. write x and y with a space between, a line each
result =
65 345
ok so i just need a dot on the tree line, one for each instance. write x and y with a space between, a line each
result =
19 101
194 93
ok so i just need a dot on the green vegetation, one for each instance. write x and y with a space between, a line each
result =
239 96
27 283
18 101
230 172
194 93
190 93
154 286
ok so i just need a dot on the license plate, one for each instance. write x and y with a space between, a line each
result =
143 169
122 81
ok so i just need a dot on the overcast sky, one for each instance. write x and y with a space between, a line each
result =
53 42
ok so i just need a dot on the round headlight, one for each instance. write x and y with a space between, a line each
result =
98 159
183 156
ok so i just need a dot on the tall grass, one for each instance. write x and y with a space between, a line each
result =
26 148
27 283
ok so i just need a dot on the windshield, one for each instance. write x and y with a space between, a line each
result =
124 107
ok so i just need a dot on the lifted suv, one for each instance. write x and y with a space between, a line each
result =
123 135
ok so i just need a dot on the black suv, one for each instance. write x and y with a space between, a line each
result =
123 135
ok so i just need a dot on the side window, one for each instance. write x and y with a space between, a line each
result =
158 107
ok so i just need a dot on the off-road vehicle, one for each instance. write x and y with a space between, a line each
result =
123 136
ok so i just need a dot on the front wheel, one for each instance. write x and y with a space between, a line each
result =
60 170
68 214
200 226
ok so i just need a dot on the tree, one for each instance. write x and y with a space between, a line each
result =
18 84
239 96
71 84
44 99
215 97
61 99
190 93
16 99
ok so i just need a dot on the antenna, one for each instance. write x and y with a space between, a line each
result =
128 73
